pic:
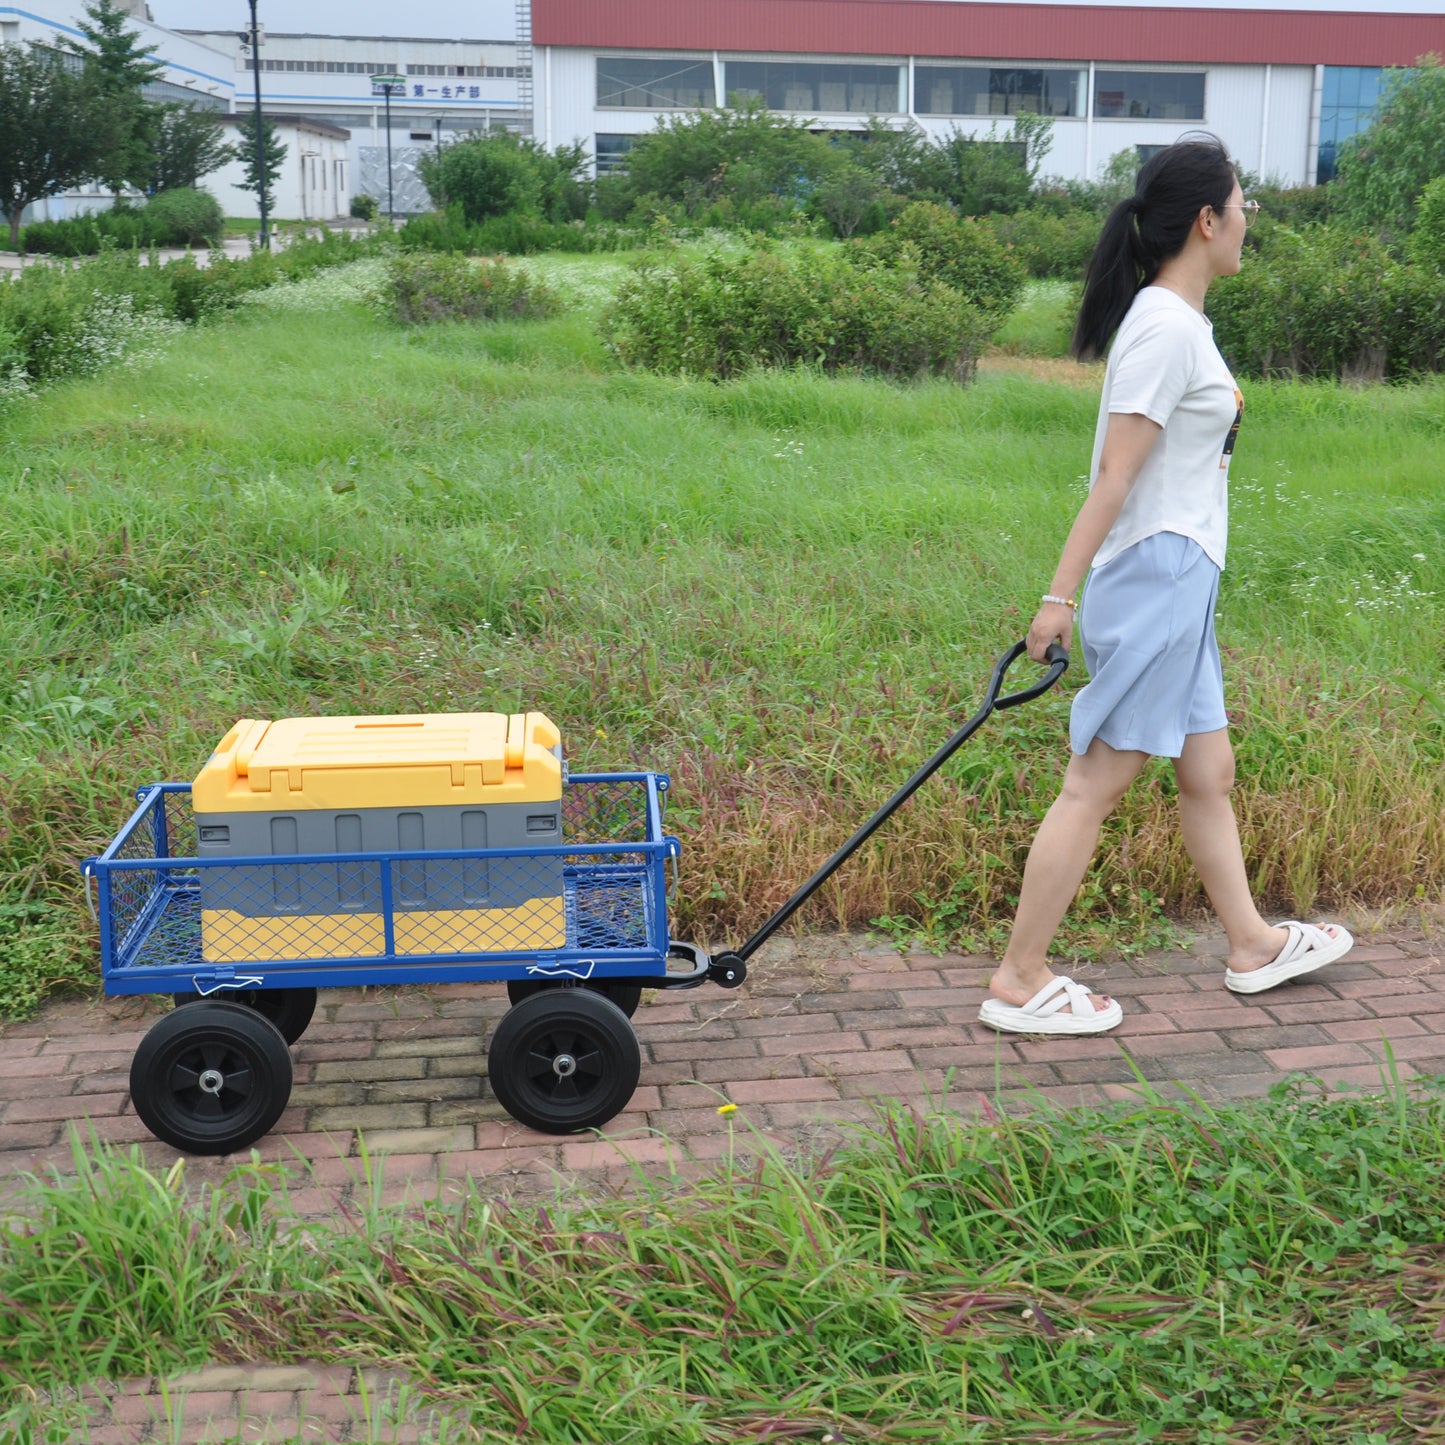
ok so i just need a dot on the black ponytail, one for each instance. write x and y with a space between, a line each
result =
1146 230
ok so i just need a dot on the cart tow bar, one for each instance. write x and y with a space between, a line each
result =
730 969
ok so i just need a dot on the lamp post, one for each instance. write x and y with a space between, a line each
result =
384 85
260 130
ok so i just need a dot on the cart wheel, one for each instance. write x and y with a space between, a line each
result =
627 996
563 1060
211 1078
290 1009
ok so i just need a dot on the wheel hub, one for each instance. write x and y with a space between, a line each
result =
564 1066
211 1081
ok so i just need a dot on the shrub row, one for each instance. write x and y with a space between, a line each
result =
724 315
1318 303
919 299
181 217
451 288
516 234
58 321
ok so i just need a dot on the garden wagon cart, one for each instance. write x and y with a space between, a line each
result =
214 1074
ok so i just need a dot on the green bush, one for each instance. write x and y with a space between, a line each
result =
364 207
727 314
1320 303
1295 206
511 235
1427 240
85 235
428 287
70 320
504 174
959 252
179 217
1051 245
41 952
184 217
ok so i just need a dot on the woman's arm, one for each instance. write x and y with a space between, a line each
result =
1127 443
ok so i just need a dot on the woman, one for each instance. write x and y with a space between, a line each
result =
1153 532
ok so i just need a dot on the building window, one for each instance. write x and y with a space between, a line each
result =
1149 94
647 82
611 152
984 90
1348 103
804 86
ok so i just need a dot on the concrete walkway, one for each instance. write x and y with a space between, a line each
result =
821 1029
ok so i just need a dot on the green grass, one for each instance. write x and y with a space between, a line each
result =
1042 322
1190 1273
784 591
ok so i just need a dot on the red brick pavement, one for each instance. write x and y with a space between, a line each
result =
819 1032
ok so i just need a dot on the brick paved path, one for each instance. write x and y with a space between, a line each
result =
820 1030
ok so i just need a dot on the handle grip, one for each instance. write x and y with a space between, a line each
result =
1058 664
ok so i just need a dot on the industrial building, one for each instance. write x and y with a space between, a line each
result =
1282 83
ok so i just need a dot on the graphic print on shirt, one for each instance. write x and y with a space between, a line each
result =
1228 451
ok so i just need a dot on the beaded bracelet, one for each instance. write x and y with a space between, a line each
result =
1062 601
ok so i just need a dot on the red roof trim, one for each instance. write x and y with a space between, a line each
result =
990 31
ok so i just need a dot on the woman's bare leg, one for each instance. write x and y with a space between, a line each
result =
1060 856
1205 772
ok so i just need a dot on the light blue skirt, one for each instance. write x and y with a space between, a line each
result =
1147 627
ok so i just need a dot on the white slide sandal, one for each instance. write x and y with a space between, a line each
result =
1060 1007
1310 946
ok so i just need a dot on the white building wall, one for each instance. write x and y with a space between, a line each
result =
458 105
1273 143
314 184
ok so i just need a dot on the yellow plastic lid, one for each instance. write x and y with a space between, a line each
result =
420 761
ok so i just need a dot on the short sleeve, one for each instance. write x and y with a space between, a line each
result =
1153 366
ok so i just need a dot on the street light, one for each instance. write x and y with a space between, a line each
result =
384 85
260 131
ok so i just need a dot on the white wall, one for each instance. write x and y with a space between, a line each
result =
1234 95
314 184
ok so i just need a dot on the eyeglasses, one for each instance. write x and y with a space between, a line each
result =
1250 209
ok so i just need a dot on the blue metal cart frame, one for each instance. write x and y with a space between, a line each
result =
148 891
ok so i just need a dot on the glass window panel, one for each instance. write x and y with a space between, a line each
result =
807 86
647 82
1149 94
611 152
983 90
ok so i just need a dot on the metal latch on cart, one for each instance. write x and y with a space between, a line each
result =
216 979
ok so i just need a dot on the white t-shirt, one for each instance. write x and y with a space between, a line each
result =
1164 365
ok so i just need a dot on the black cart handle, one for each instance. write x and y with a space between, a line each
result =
1058 661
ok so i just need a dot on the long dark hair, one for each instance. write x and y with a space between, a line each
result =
1144 231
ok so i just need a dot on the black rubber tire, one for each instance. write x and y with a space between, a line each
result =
529 1069
627 996
290 1009
251 1084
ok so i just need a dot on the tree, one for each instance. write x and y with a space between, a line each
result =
741 152
186 144
846 195
56 128
1382 170
275 154
504 174
123 68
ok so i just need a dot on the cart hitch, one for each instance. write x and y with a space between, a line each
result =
727 969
